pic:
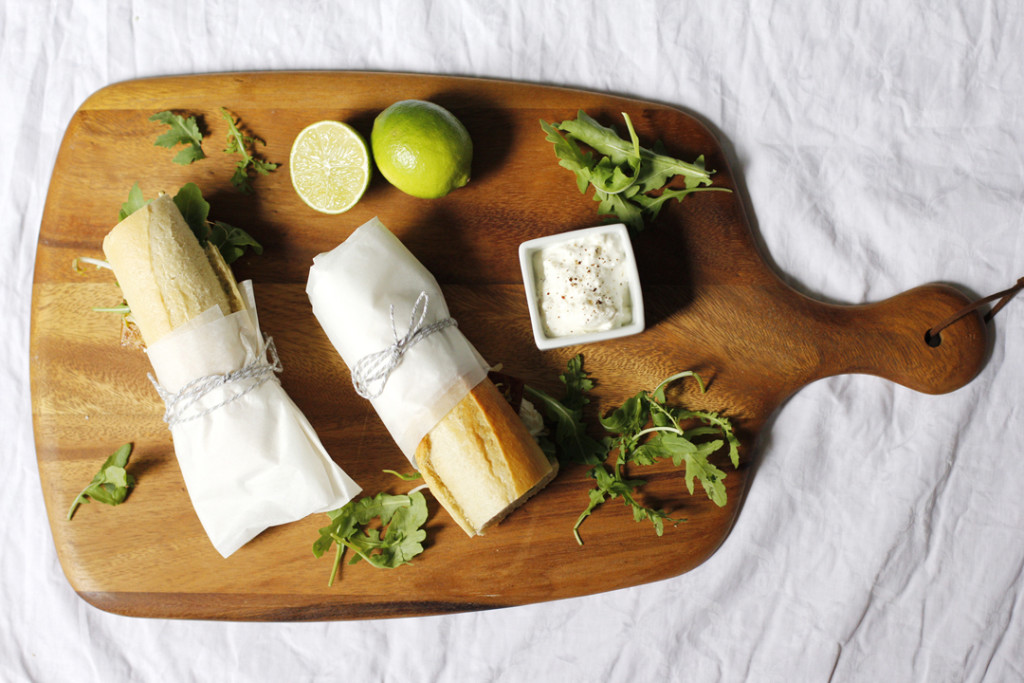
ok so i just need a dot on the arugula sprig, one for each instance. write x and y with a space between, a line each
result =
400 517
231 241
182 132
610 483
623 173
572 443
411 476
111 483
244 145
646 431
185 131
643 431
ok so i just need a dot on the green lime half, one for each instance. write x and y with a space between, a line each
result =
330 166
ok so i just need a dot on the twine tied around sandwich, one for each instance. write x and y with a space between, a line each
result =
371 372
183 405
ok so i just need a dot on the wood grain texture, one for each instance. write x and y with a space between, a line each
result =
713 306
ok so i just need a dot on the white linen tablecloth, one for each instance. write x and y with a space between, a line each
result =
880 146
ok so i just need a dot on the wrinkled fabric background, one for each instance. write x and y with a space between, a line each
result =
879 146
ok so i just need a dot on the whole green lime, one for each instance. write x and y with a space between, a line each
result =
421 148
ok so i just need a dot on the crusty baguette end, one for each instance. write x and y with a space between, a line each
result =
480 461
165 276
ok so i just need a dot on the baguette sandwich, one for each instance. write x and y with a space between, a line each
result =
249 458
450 421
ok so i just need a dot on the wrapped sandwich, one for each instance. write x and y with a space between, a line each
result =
385 314
249 458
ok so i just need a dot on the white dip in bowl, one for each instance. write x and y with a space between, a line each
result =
582 286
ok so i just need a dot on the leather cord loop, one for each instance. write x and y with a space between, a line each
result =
1003 296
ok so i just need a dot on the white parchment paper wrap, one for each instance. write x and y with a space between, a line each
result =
255 461
352 289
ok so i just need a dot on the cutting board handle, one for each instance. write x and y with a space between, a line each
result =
890 339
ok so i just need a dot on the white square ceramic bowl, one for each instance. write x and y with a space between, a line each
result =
543 339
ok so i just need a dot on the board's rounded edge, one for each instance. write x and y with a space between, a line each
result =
242 607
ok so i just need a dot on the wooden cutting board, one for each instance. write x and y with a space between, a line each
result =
713 305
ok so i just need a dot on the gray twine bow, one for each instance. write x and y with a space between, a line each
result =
178 403
371 373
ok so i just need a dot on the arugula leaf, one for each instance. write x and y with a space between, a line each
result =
628 212
577 383
603 139
182 131
240 143
135 202
194 209
570 156
401 518
716 422
631 415
231 241
622 172
572 443
618 176
111 483
651 206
